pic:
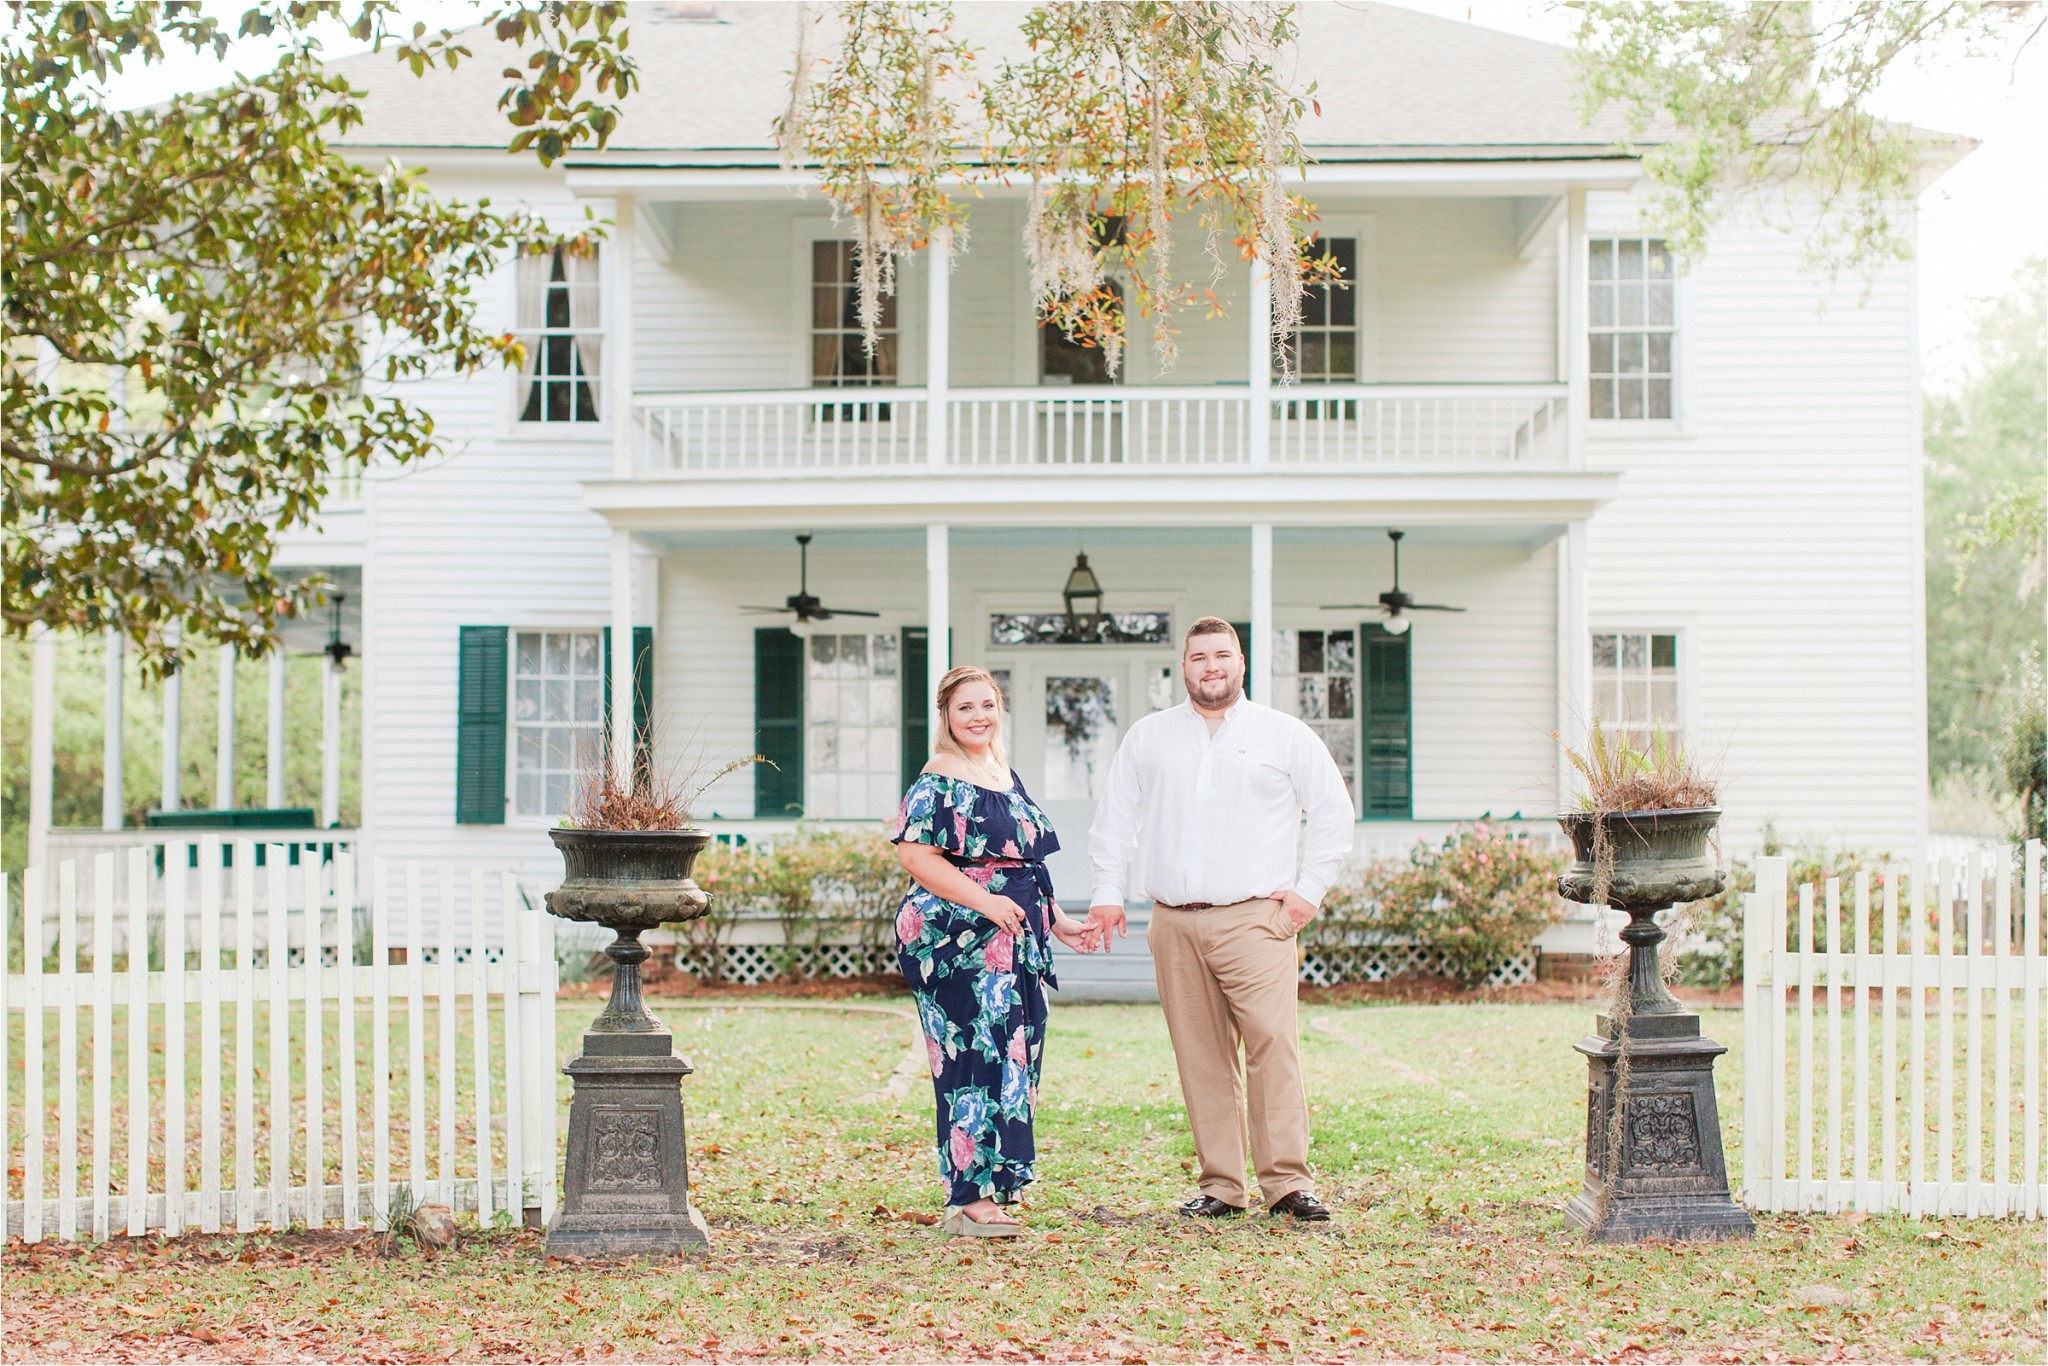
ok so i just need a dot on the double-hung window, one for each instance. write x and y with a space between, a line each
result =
559 322
557 717
839 355
1631 327
1325 350
1635 684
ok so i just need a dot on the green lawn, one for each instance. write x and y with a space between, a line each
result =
1447 1135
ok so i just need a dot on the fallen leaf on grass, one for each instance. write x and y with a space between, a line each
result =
140 1311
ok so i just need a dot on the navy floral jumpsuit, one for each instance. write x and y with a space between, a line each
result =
980 990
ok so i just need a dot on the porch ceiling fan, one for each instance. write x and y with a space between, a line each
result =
806 607
1394 605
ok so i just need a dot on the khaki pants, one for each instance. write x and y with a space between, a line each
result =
1227 976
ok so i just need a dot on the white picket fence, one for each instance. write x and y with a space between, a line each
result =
427 1068
1928 959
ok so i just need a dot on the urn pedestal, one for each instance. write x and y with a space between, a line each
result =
626 1177
1669 1177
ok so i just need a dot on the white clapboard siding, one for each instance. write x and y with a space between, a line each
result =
1967 1145
286 969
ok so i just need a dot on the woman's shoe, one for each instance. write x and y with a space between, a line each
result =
961 1225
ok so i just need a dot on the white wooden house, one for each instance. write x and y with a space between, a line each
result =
1689 498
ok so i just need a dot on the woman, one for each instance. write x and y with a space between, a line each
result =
972 940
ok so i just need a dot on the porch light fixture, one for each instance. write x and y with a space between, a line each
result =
337 649
1083 595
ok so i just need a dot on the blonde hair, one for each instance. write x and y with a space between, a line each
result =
957 678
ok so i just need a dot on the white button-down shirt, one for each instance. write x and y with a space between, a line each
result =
1220 815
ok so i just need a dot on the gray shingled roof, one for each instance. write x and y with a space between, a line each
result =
1393 83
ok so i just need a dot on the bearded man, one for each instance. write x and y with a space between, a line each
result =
1215 791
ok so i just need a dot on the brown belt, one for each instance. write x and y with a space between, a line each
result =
1191 906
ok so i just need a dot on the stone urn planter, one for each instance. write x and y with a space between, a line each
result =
626 1182
1669 1178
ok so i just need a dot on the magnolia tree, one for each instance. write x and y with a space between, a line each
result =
208 306
1121 118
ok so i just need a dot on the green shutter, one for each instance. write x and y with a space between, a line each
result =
778 722
1244 642
643 700
917 712
481 660
1387 774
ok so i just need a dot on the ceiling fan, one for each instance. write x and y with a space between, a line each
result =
1394 605
807 608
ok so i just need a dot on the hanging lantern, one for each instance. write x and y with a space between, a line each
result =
1083 595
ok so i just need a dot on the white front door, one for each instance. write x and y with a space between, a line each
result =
1069 708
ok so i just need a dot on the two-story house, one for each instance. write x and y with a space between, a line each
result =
1687 498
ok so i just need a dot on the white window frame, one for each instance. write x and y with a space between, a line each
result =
1687 672
1356 721
512 400
853 626
514 814
1673 423
910 289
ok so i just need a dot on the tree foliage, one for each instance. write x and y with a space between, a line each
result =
1726 96
1120 117
210 308
1987 450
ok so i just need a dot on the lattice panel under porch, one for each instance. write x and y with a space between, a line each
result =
1328 968
750 964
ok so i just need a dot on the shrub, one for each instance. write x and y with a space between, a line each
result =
1479 898
809 881
1706 943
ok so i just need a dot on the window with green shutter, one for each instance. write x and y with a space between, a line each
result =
480 721
1388 771
778 722
917 686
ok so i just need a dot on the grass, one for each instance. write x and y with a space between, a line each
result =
1447 1135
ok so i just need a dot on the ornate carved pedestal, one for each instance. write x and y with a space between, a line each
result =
626 1179
1670 1178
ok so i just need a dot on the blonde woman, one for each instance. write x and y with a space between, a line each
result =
973 941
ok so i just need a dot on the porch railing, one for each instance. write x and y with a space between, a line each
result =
1072 429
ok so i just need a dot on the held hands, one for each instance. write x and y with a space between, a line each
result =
1078 935
1108 921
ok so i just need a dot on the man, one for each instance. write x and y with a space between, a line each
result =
1214 790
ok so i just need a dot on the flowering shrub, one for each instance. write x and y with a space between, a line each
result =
1479 898
809 880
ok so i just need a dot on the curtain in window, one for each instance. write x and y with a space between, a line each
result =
531 314
584 298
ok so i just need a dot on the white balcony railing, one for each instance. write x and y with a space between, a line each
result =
1323 426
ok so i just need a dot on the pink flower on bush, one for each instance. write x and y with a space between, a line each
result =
1001 952
962 1149
909 923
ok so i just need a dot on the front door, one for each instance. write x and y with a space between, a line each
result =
1069 708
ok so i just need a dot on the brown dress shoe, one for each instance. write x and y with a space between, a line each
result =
1302 1207
1209 1207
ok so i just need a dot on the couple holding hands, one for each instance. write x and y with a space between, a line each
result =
1215 791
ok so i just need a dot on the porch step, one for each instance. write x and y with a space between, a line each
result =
1122 974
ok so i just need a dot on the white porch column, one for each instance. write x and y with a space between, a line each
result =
330 744
618 339
938 596
938 346
622 657
1259 649
114 753
169 794
42 743
1259 334
1571 277
224 734
273 756
1574 655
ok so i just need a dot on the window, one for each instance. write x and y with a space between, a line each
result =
839 354
1051 628
1315 677
1062 359
1635 684
557 717
1325 351
559 296
853 706
1630 327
